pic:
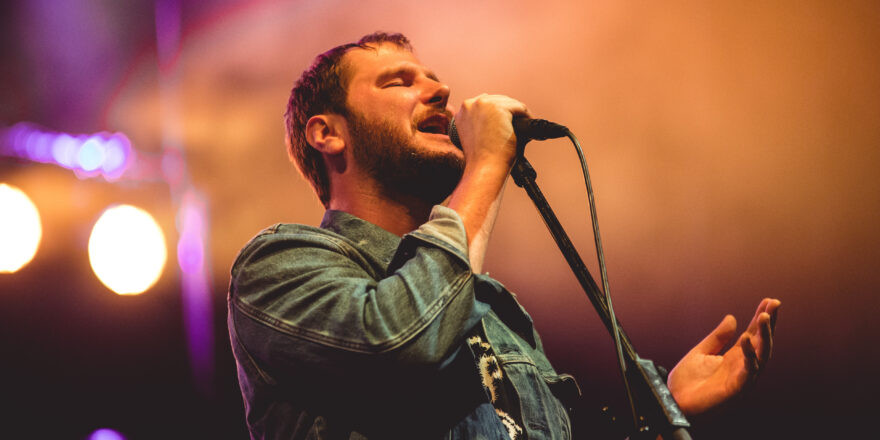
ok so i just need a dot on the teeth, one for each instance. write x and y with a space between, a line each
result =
433 125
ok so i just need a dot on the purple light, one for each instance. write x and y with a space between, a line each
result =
105 434
190 248
64 149
30 144
195 284
91 154
39 146
116 154
16 136
87 155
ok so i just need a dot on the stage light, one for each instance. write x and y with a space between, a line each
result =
105 434
39 146
20 229
116 156
91 154
64 150
100 154
127 250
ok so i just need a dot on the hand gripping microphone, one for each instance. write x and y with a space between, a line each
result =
525 129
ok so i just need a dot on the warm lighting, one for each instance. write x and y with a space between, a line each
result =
20 229
127 250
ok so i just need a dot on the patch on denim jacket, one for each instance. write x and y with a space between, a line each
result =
492 378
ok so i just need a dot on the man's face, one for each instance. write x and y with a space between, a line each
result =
398 116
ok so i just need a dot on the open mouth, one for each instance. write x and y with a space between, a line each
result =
436 124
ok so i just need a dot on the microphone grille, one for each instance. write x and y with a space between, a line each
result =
453 134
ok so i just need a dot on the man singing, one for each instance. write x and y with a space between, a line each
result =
379 324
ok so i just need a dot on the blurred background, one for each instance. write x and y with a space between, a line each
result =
734 148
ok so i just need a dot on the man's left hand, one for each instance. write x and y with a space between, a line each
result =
704 378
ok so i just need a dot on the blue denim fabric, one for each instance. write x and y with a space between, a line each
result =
348 331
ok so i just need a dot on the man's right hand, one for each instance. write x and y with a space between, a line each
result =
485 128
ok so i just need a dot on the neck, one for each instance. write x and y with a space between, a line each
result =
395 213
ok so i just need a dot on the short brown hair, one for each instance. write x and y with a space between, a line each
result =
323 88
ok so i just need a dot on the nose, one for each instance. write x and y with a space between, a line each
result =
437 94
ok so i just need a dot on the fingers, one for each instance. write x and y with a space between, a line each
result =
768 306
506 103
753 324
751 359
718 338
515 107
773 322
485 128
754 362
772 309
766 338
521 111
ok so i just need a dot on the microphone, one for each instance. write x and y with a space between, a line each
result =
525 129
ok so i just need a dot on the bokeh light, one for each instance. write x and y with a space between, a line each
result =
117 155
91 155
127 250
20 229
64 150
106 434
100 154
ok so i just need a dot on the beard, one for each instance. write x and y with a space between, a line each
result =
399 165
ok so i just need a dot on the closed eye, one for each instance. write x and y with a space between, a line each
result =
401 76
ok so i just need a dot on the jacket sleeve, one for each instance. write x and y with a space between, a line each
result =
308 299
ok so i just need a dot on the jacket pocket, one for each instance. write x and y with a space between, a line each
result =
543 413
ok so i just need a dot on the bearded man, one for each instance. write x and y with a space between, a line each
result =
379 324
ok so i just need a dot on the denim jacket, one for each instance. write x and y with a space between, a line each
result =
349 331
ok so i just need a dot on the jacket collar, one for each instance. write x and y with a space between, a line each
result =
367 236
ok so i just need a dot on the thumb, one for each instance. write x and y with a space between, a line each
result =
715 341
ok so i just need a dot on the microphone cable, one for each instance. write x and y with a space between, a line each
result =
603 274
527 129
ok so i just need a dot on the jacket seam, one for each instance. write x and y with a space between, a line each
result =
434 241
237 340
445 297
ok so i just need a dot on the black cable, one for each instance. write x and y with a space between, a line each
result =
604 276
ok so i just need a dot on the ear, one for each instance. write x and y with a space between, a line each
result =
326 133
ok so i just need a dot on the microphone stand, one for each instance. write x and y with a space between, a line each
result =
653 401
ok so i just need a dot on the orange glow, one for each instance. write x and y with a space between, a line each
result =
20 229
127 250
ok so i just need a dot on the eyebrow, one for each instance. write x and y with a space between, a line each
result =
393 72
